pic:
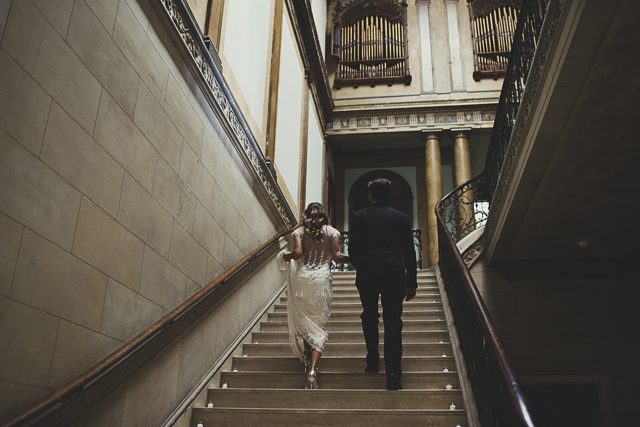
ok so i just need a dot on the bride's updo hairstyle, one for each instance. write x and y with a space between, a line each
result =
313 219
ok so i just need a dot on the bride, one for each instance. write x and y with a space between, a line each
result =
309 291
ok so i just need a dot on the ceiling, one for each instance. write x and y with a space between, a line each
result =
580 180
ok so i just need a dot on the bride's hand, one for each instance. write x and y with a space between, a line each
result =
287 256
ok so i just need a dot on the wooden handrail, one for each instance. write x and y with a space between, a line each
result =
76 386
510 378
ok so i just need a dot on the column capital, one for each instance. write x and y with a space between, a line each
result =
428 134
460 133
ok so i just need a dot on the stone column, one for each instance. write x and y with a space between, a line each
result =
434 190
463 174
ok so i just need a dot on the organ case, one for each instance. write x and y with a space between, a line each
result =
370 42
493 24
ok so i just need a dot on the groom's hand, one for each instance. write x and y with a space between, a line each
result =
409 293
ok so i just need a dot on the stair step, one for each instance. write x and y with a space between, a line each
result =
348 349
344 306
343 364
355 298
422 272
328 417
408 337
335 399
356 325
336 380
419 279
353 315
353 290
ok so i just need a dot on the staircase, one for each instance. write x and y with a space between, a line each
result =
266 384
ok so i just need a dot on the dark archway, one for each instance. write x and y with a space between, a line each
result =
401 197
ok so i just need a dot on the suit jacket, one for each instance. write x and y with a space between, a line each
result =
381 242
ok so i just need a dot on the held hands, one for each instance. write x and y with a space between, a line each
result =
409 293
288 256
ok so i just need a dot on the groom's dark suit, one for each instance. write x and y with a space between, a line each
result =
381 248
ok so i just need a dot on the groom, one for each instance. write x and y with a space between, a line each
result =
381 249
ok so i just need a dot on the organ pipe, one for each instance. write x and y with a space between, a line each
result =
373 43
492 33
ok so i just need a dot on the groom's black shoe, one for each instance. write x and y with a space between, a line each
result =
393 382
371 369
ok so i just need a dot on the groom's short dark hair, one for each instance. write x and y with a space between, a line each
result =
380 189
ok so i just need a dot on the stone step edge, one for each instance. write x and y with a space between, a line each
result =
342 374
359 322
353 344
377 412
350 391
332 358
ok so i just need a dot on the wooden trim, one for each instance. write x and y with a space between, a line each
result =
274 79
98 378
304 145
213 22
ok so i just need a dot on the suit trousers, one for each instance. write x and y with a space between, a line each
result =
391 290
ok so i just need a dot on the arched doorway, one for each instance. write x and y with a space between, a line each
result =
401 197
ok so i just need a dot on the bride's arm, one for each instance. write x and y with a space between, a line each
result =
336 255
297 249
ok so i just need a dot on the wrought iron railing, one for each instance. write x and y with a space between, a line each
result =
496 390
344 248
466 208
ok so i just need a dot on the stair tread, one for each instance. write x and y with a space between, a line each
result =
343 374
350 344
329 410
334 398
364 391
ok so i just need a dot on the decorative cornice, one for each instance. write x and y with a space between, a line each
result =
538 70
176 13
410 121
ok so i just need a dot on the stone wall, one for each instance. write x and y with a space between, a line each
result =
579 331
120 196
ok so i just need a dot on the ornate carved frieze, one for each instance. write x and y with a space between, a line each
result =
419 120
245 148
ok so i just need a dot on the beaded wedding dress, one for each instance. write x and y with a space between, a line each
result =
309 292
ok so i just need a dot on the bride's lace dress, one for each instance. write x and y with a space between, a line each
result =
309 292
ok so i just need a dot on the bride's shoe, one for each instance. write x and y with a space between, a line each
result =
312 378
